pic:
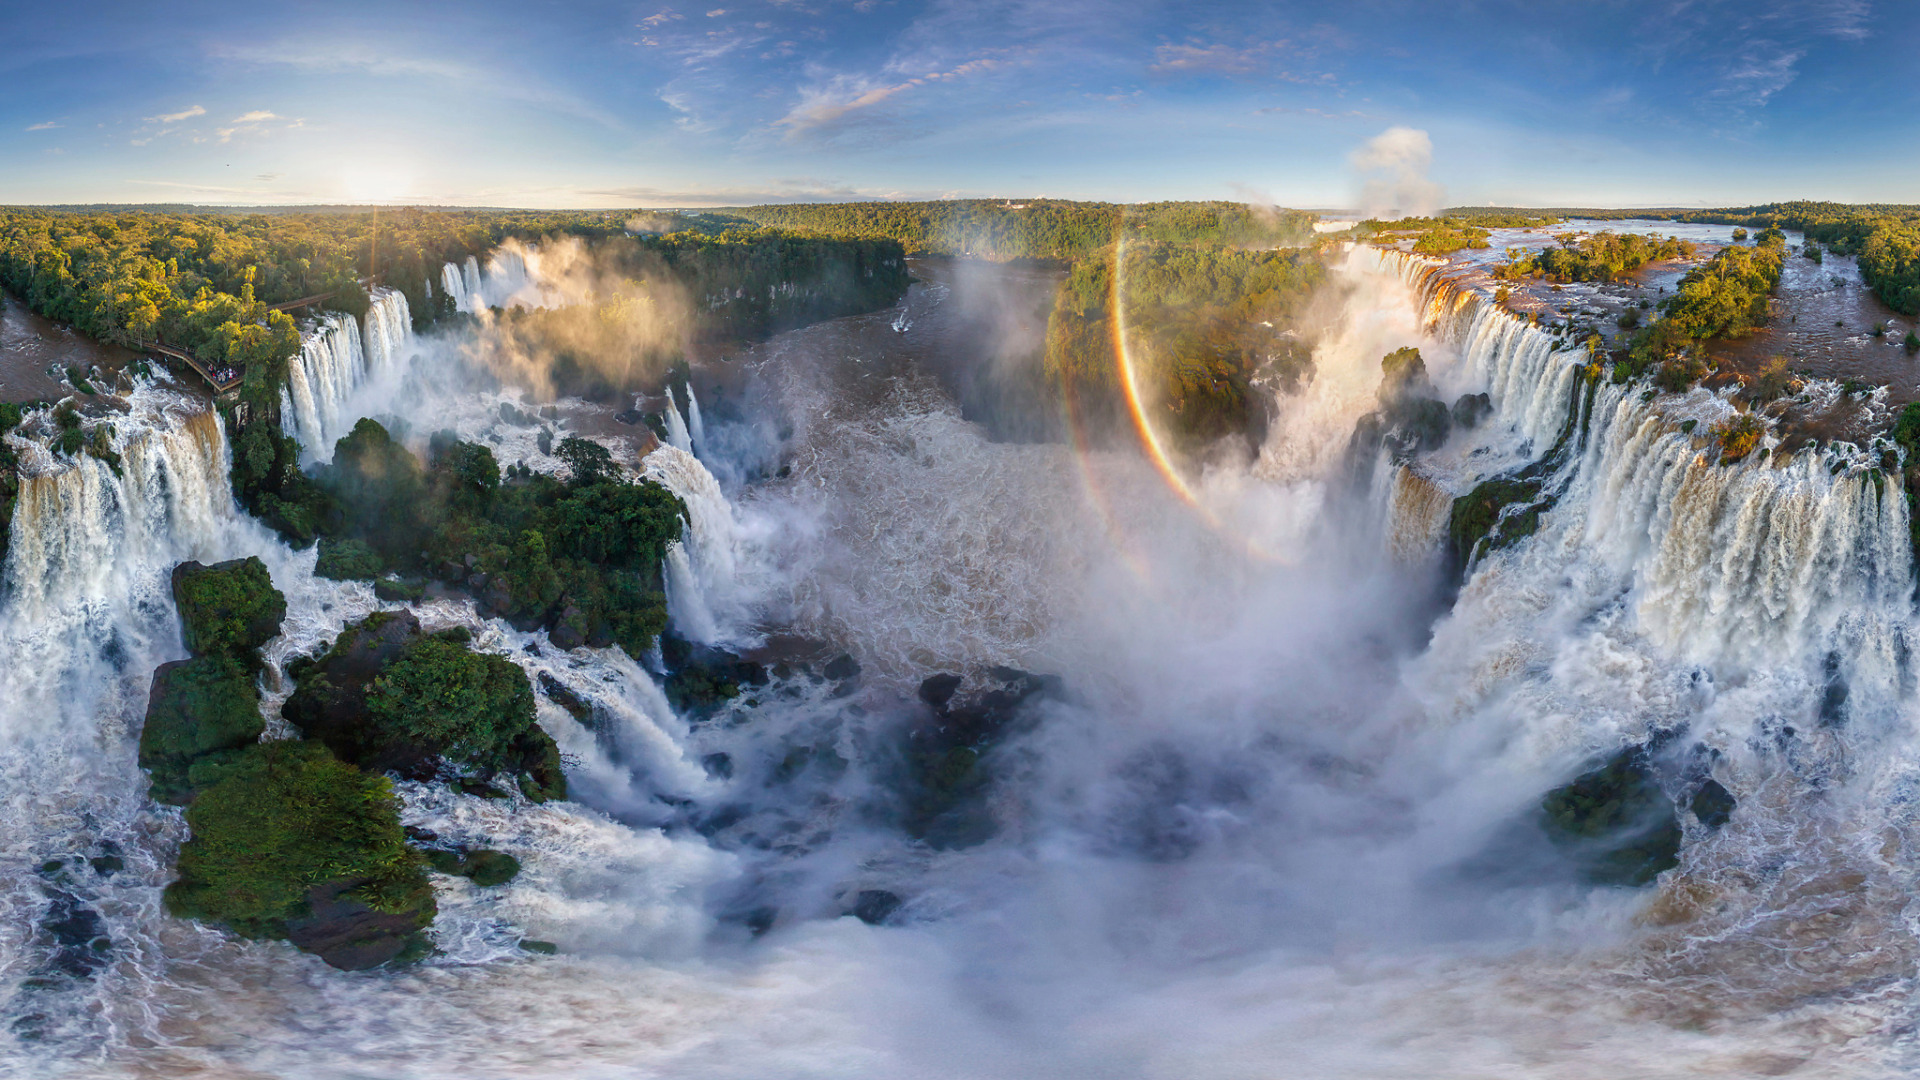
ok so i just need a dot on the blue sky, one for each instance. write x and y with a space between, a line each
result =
1604 102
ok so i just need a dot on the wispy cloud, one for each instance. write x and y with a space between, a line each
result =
45 125
826 106
174 118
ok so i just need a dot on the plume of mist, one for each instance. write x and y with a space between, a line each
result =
1391 169
654 224
562 318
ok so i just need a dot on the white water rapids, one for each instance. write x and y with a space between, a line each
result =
1249 839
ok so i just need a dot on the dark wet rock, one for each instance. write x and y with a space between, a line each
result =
107 865
1470 409
875 906
1615 822
1713 804
569 627
229 609
330 702
481 866
1492 516
76 936
542 948
629 417
937 690
1833 699
946 782
719 766
343 930
760 920
558 693
841 668
479 789
701 678
199 713
509 414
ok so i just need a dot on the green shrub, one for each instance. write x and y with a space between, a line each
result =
290 816
469 707
229 609
197 709
343 559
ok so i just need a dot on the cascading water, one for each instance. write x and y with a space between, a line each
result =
677 434
1254 829
336 359
696 426
705 571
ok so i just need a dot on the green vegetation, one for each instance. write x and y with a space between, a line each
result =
228 609
1603 256
1738 437
1202 331
1725 298
267 481
1037 229
288 820
482 867
200 714
387 698
469 706
10 417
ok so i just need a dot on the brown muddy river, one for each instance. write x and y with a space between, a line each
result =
30 346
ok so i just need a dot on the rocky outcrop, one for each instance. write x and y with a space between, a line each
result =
229 609
1615 822
946 755
293 843
388 698
200 714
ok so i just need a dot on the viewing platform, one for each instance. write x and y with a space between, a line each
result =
220 386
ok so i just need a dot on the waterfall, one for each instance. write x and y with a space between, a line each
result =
706 597
389 325
677 434
335 359
1527 372
331 363
696 427
454 284
470 281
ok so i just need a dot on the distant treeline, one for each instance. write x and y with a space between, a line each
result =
1052 230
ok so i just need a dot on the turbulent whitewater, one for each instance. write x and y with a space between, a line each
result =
1263 828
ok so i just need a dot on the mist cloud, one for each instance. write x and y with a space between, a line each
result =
1392 171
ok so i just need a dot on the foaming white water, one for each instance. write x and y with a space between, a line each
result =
336 359
677 434
696 426
331 363
709 581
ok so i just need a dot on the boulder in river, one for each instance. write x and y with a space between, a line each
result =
229 609
200 713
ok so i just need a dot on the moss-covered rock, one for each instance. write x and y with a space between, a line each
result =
200 712
482 866
294 843
1482 515
701 678
229 609
388 698
344 559
1615 822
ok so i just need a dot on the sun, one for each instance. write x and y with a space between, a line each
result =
376 184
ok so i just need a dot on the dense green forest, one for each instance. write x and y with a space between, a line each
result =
1205 323
1040 229
1603 256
